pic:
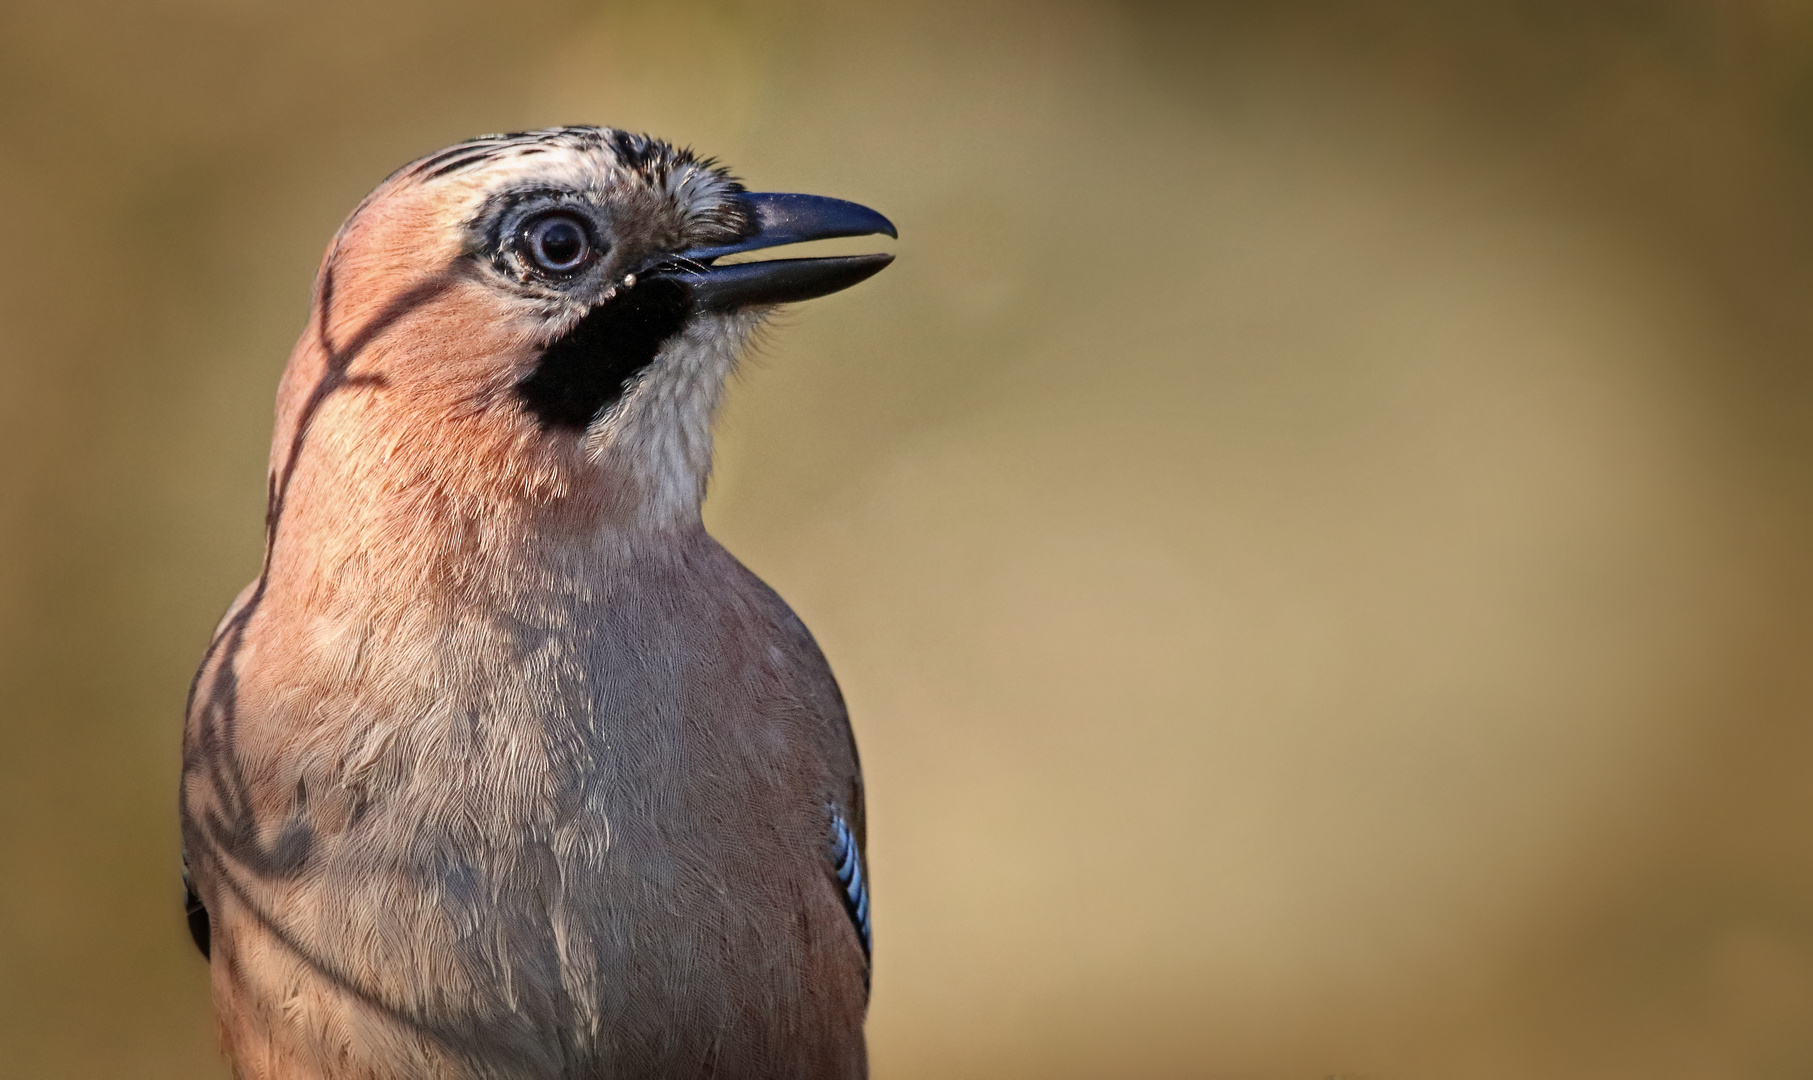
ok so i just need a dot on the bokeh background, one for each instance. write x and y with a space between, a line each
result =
1314 528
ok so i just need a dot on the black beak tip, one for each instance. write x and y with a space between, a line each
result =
862 268
875 263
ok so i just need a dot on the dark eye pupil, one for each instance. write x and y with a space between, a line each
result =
559 243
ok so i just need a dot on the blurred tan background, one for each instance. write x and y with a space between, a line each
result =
1314 529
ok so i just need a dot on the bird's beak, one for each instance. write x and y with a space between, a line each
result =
782 219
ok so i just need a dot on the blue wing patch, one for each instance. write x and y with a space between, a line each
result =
846 858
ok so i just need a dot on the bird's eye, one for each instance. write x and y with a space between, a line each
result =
557 243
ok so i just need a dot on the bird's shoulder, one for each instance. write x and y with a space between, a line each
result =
791 645
772 615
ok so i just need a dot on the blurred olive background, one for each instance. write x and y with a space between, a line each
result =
1314 528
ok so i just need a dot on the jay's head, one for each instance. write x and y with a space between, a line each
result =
542 319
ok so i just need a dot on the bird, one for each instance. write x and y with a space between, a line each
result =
503 767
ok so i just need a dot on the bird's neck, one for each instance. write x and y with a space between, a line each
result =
428 494
520 536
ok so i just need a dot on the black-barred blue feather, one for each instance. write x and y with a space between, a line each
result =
846 857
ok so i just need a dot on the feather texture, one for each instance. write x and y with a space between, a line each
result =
503 767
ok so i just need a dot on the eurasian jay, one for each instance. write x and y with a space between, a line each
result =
502 767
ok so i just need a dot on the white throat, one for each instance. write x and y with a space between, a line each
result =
658 435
